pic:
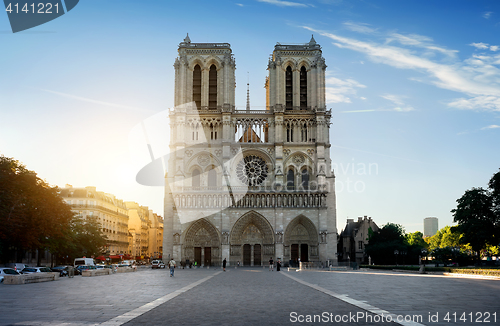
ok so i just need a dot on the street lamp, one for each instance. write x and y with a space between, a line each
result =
424 253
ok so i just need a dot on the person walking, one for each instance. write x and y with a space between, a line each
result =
278 265
172 265
271 264
224 264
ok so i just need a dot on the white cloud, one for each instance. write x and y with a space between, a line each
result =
487 14
494 48
240 4
480 103
359 27
419 41
477 77
338 90
490 127
480 45
400 104
282 3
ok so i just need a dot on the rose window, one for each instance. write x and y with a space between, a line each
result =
252 170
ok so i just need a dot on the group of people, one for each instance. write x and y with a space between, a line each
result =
172 264
271 265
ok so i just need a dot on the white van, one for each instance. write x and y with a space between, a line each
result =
84 261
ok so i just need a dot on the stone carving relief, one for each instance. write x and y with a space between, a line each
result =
279 237
177 239
204 159
235 250
298 159
225 238
189 153
311 152
286 152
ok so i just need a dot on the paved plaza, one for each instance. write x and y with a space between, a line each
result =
252 296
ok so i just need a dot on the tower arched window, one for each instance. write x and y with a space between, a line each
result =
290 180
303 88
288 88
197 86
305 179
195 178
212 87
212 178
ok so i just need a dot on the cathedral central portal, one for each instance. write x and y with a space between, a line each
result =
246 185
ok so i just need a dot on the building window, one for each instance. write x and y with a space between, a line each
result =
303 88
197 86
360 245
288 88
212 88
290 180
212 178
81 202
195 178
305 179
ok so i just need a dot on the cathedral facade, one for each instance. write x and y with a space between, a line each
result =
248 185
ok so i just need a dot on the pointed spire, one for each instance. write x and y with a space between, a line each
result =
248 96
312 41
187 39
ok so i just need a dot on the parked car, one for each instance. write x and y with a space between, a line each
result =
157 264
31 270
112 267
7 271
63 270
16 266
82 268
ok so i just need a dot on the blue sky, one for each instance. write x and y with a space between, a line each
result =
414 88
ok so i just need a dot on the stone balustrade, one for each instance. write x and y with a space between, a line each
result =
294 200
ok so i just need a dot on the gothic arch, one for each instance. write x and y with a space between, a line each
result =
202 236
213 61
196 60
304 62
289 62
249 219
194 160
201 233
301 230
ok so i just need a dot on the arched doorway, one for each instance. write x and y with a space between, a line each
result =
201 244
301 241
252 240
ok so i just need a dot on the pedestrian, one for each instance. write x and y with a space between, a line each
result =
172 265
278 265
224 264
271 264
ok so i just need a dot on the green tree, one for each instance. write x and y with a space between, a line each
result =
416 239
382 244
32 214
478 216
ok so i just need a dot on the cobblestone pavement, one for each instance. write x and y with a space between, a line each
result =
408 294
248 296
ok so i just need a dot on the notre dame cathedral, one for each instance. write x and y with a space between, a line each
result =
248 185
